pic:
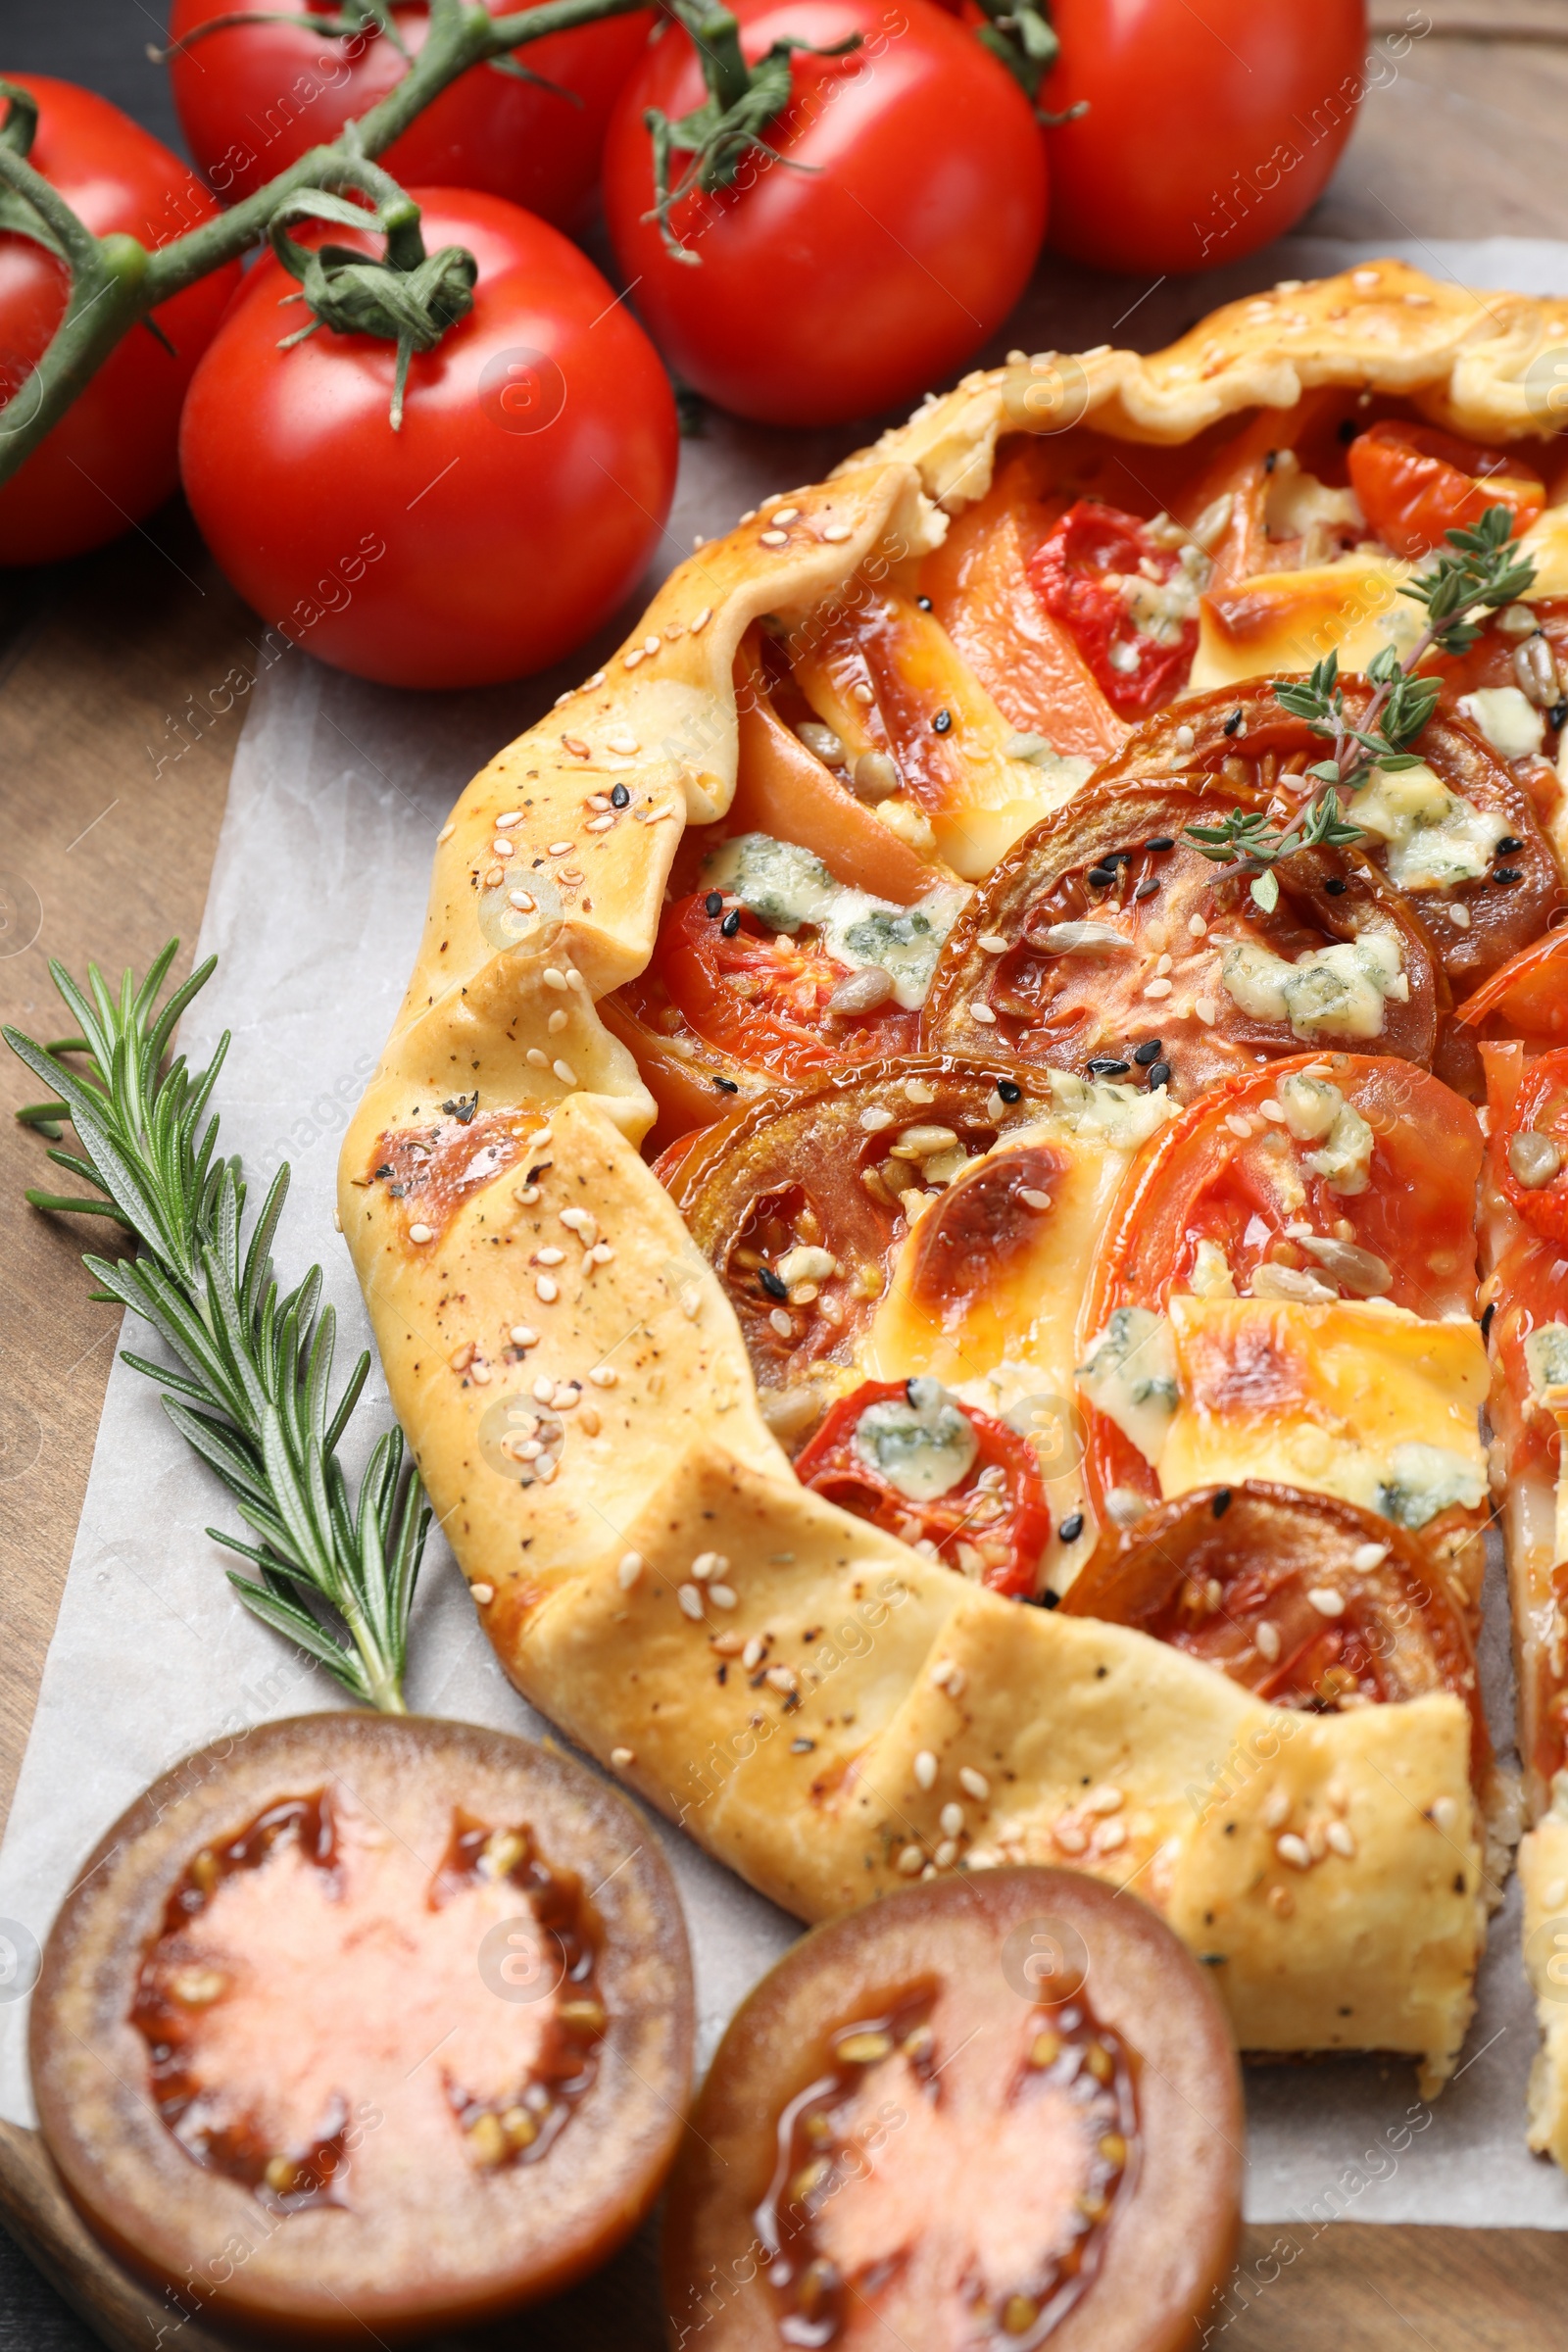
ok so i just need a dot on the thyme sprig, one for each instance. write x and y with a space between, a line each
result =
337 1571
1479 570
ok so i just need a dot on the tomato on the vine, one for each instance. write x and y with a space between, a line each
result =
891 230
113 456
252 95
517 506
1205 133
925 1466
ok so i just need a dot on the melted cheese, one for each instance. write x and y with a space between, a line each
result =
1288 620
786 887
1513 726
1338 991
1546 1362
1435 839
1130 1375
1357 1399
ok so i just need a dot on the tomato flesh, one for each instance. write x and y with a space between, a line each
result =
995 1516
1415 484
1531 1153
1100 573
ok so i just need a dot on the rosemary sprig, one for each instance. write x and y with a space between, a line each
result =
336 1573
1480 570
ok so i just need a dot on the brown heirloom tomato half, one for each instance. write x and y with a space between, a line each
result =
1247 744
995 2110
1099 944
779 1191
1309 1601
359 2027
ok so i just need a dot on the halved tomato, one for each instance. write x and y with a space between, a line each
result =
796 1201
994 2109
359 2027
1127 596
938 1473
1526 998
1106 943
1459 835
1304 1599
1528 1153
1416 483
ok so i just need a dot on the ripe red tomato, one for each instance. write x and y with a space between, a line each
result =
1095 572
898 234
1416 483
515 507
113 456
1205 133
255 96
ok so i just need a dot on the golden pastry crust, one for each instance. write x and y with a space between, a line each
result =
803 1693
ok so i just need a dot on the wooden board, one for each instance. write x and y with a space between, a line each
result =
112 771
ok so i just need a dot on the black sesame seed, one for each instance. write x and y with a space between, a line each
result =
1271 461
1221 1502
1485 1321
385 1169
1009 1090
1161 841
731 923
1233 722
1336 886
1350 430
1119 858
1506 873
1558 713
1507 845
1101 877
1071 1529
620 797
1149 1050
726 1086
773 1284
1158 1076
713 903
941 724
1044 1600
1103 1066
924 603
1146 889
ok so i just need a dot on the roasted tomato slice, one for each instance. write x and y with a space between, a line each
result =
796 1201
1106 943
989 2110
1305 1599
403 2006
1527 999
944 1477
1530 1149
1458 835
1416 483
1127 592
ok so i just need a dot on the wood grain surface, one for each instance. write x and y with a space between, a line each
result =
111 798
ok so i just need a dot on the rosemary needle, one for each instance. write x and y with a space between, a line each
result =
336 1570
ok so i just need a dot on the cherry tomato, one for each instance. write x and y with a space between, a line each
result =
1415 483
1230 1585
1002 2107
1494 897
1530 1150
255 95
896 235
515 507
1126 599
1080 916
113 456
393 1888
992 1514
1203 136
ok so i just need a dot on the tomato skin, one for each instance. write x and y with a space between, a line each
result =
831 1466
1539 1106
461 550
113 456
1072 573
253 98
800 307
1204 135
1415 484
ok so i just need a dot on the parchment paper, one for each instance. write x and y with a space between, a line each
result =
316 901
